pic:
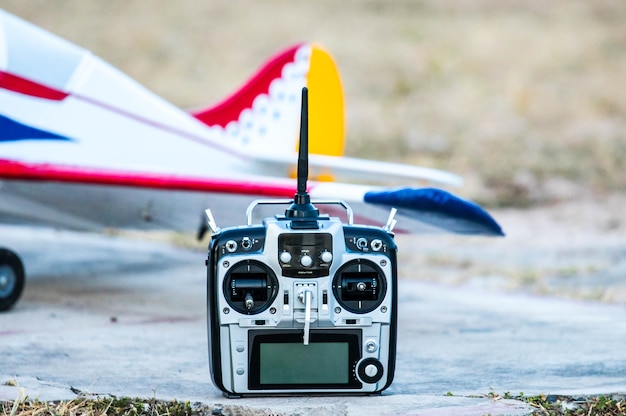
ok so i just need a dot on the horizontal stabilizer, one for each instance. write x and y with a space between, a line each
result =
438 208
349 168
377 171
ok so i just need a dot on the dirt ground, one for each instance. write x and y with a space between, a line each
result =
574 249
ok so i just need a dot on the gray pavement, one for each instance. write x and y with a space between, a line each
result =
116 316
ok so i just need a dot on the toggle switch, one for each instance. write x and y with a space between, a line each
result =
305 297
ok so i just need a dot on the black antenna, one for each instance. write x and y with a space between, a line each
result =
303 150
302 207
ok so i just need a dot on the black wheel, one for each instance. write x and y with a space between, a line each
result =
11 279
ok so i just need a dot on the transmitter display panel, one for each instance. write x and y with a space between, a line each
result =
280 361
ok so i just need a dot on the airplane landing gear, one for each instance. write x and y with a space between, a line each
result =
11 278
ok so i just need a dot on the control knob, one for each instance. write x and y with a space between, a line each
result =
306 260
370 370
285 257
327 256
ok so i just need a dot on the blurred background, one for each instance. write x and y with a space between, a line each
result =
525 99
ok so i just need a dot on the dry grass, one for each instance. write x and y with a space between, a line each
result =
555 405
97 407
527 100
551 405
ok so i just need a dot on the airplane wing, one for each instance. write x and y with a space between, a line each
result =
69 118
92 200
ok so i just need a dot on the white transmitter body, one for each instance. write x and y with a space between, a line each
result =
302 307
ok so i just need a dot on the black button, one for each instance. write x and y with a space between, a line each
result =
365 367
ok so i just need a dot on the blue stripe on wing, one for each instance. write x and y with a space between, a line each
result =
439 208
11 130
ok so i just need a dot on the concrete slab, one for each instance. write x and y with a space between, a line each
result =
117 316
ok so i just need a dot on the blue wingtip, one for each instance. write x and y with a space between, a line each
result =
439 208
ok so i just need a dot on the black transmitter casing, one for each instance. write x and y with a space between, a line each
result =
302 307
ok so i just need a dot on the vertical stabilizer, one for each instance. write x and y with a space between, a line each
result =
262 116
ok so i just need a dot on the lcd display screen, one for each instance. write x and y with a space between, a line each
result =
296 363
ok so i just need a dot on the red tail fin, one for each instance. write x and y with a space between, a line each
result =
230 108
263 115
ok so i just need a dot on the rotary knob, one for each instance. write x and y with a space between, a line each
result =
306 260
370 370
285 257
327 256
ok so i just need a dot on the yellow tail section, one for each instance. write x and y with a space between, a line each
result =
326 105
327 132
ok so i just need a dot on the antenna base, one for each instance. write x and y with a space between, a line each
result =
302 208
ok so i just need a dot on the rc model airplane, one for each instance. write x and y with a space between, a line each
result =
83 146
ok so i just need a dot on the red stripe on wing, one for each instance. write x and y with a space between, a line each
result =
54 173
24 86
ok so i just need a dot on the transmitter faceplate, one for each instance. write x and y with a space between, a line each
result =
321 301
